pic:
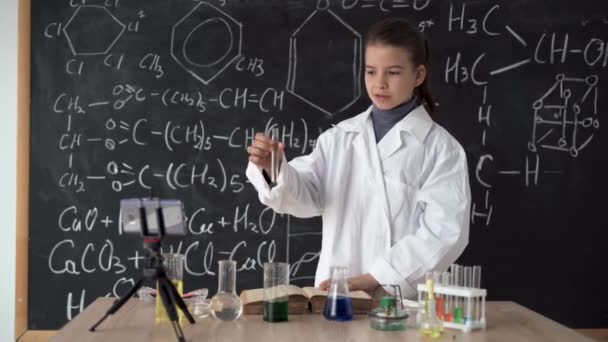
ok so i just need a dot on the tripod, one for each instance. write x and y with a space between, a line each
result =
154 271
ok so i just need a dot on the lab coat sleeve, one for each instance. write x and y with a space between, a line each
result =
299 187
442 232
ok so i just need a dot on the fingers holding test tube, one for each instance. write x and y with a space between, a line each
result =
267 153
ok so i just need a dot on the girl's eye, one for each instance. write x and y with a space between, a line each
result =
394 73
369 72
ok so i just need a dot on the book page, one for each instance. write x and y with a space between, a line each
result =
252 296
315 292
360 295
257 295
294 291
311 292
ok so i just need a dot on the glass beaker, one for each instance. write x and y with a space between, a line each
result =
276 298
226 305
173 264
338 304
198 303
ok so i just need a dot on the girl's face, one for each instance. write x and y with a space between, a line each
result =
390 76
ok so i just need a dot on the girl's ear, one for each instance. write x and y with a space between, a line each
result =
420 74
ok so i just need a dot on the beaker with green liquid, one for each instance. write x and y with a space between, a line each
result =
276 296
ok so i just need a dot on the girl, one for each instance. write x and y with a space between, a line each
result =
390 184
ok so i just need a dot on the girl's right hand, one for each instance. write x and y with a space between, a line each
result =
260 151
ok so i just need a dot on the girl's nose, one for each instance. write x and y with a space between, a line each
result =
382 84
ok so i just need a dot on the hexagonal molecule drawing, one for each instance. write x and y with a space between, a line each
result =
92 30
566 116
325 69
206 41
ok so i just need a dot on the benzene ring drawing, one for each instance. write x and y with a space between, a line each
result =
325 69
206 41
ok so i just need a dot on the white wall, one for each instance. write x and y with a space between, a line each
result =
8 165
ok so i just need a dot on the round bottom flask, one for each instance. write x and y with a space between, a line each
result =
226 305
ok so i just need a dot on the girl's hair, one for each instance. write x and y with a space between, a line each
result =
399 32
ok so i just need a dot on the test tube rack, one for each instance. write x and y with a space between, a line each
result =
474 302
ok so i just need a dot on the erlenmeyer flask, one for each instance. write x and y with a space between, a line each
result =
429 324
338 304
226 305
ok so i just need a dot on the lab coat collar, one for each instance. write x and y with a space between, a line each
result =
357 123
418 123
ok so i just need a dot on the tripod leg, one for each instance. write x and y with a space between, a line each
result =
118 303
169 304
175 297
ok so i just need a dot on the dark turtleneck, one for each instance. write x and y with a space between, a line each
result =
384 120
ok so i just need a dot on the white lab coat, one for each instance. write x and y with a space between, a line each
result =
396 209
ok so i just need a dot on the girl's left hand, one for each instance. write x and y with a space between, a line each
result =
363 282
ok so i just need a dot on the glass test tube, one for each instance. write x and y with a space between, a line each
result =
468 276
274 135
459 282
436 277
477 277
429 276
468 283
452 298
477 285
447 300
439 298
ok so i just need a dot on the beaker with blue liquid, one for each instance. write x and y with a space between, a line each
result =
338 304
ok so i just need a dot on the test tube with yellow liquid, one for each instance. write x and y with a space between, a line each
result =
173 264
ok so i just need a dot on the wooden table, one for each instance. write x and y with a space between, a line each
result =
507 321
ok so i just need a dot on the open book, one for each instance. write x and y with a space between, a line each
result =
302 300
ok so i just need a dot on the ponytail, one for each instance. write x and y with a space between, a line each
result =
423 92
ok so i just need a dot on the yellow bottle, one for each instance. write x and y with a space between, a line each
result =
161 313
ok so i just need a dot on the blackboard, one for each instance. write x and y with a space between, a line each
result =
133 96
